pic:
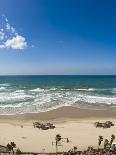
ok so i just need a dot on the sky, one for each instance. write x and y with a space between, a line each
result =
59 37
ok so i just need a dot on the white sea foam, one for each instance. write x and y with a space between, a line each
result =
53 89
2 88
5 84
19 91
91 89
97 99
85 89
62 89
71 98
82 89
71 89
114 90
37 90
14 97
44 99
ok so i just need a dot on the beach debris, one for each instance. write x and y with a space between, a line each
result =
106 124
42 126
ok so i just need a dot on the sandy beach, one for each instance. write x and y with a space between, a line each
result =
57 77
74 123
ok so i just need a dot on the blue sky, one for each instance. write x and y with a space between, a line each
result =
57 37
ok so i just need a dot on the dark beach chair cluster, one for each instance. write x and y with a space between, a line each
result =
106 124
42 126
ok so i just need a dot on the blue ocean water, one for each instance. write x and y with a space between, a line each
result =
22 94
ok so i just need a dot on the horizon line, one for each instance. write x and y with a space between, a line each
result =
58 75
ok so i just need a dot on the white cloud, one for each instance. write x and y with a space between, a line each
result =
13 30
1 35
7 26
17 42
2 30
2 46
10 28
5 19
10 38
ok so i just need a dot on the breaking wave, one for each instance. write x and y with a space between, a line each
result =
13 100
5 84
2 88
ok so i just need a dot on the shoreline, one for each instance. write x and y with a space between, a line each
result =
65 112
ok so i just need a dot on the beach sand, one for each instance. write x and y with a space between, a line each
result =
74 123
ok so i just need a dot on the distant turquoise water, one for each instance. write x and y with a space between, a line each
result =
21 94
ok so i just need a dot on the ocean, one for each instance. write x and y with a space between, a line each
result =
27 94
